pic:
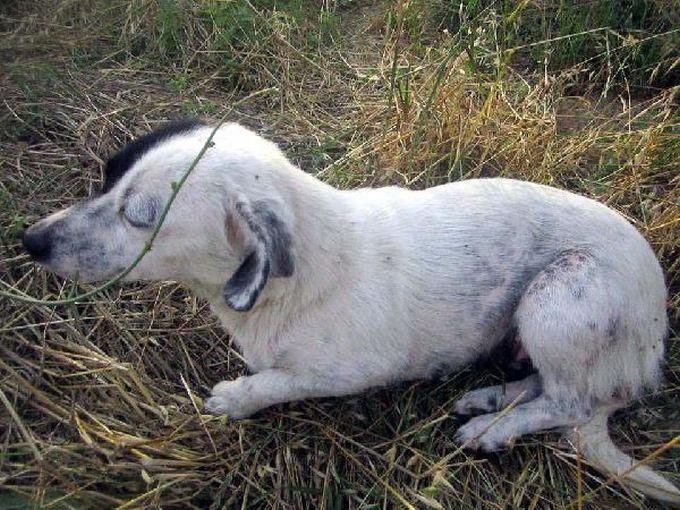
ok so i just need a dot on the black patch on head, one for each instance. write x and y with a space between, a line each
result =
123 160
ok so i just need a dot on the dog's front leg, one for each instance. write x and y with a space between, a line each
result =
246 395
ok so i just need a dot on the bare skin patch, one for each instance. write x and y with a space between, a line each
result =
560 270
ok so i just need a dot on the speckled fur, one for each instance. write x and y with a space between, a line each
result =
390 284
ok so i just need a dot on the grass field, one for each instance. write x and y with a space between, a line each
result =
99 400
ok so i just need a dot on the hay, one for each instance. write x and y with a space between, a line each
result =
100 399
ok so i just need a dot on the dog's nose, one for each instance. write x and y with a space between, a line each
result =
38 242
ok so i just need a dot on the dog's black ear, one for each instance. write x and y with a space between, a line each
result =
267 246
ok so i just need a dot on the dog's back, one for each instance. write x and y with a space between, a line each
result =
451 263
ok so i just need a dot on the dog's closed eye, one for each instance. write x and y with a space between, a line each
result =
140 211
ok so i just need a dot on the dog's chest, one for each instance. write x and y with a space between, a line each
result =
255 336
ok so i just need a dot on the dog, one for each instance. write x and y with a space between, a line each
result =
330 292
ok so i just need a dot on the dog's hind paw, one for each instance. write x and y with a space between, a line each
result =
481 433
484 400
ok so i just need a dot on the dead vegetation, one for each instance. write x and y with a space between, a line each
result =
100 400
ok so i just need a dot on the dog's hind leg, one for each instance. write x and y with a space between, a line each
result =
552 320
595 334
491 432
500 396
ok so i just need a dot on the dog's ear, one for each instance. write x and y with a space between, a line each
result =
266 241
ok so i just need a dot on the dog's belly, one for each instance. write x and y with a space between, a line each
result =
465 325
393 327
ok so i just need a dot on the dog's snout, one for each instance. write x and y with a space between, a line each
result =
37 242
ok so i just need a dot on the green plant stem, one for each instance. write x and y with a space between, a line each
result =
148 245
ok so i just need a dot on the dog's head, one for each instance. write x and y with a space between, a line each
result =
227 223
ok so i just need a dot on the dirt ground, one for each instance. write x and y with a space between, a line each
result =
100 399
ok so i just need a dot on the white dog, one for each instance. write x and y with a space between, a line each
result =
330 292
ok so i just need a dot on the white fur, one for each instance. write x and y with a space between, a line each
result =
391 285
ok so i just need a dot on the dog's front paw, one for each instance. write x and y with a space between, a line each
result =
230 398
222 405
482 433
483 400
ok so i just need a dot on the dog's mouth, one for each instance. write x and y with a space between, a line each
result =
77 273
70 274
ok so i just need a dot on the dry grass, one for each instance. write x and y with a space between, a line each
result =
100 399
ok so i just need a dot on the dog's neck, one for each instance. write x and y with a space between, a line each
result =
322 233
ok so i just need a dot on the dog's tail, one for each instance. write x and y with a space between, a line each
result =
593 442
